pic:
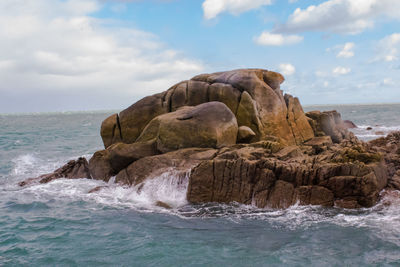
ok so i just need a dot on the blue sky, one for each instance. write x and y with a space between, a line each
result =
58 55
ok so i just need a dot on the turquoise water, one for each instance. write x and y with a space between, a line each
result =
60 224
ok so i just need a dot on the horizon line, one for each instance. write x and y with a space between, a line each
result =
117 110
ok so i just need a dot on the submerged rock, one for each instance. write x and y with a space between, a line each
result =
236 137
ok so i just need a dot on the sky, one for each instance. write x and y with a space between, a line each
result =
66 55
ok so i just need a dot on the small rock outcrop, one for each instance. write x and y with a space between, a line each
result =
73 169
237 137
329 123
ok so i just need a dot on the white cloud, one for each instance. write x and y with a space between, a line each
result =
56 45
388 48
267 38
347 51
287 69
340 16
212 8
388 82
341 70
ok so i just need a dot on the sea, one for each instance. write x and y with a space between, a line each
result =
61 224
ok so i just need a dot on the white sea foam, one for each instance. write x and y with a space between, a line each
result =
376 131
169 188
384 218
31 165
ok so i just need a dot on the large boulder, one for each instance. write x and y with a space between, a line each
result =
211 125
108 162
253 96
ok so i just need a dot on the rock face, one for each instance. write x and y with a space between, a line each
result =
253 96
256 175
209 124
238 138
329 123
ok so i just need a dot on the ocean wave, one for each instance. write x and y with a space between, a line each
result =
384 217
376 131
33 165
30 164
168 189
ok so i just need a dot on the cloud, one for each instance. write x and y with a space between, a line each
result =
287 69
388 82
388 48
212 8
340 16
56 45
347 51
273 39
341 70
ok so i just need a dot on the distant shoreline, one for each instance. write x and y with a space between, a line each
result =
350 104
71 112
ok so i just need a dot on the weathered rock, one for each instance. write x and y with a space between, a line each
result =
180 161
313 195
121 154
289 152
281 195
245 134
111 131
247 115
73 169
328 123
107 163
297 120
389 149
319 141
210 125
100 166
253 95
226 94
249 174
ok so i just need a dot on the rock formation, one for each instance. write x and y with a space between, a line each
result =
73 169
241 139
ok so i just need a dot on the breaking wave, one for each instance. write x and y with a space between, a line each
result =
367 132
170 189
